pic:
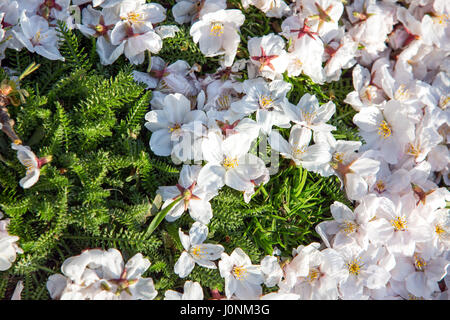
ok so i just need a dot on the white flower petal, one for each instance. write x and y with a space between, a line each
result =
184 265
198 233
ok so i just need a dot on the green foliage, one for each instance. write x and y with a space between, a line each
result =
99 190
181 47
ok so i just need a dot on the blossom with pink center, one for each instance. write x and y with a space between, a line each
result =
195 198
32 163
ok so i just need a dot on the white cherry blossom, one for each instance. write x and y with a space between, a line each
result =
165 78
31 162
102 275
298 148
267 99
99 24
388 131
267 56
217 33
134 32
196 252
420 275
194 198
229 163
171 123
309 114
314 274
398 226
367 268
349 227
242 278
36 35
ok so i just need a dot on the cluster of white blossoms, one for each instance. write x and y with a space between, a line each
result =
102 275
393 245
121 27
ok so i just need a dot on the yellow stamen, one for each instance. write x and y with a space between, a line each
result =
399 223
443 102
439 230
338 157
216 29
134 17
223 102
265 102
187 194
174 128
99 28
313 274
298 62
413 150
37 38
239 272
380 186
229 163
348 227
308 116
105 286
354 267
164 86
419 263
29 165
197 251
367 94
401 93
384 130
441 19
298 152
